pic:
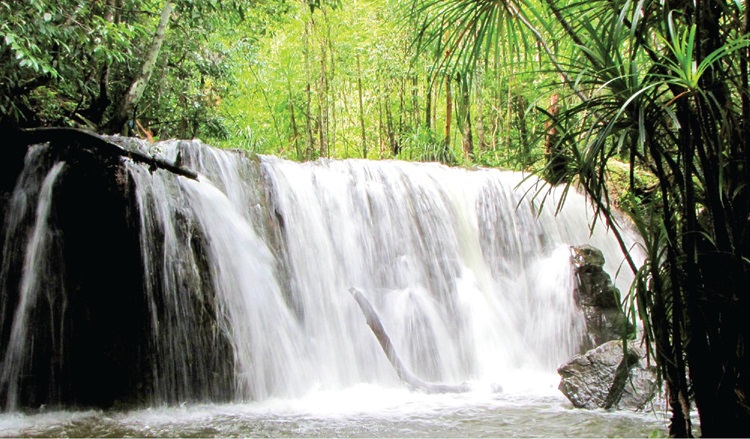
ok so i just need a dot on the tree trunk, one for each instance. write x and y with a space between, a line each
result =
524 145
308 96
508 128
330 88
745 84
61 135
390 130
361 109
182 125
415 101
323 104
464 119
497 120
295 131
380 127
138 86
448 112
401 106
373 321
94 115
553 152
428 105
481 137
715 283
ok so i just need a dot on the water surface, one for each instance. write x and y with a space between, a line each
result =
360 411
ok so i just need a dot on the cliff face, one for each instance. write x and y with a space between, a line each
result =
90 291
77 328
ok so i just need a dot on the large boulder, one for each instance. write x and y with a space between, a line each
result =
598 298
605 378
100 339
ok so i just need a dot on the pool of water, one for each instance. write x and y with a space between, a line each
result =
360 411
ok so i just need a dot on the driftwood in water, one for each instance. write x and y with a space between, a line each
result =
68 136
373 321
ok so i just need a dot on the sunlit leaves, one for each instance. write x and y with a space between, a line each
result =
85 54
686 70
462 34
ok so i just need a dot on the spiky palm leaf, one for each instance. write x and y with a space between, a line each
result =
665 88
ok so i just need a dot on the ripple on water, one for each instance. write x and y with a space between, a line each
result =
358 412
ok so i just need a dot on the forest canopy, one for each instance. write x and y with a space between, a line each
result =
297 79
73 63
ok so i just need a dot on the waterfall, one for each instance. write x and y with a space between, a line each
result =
246 274
30 205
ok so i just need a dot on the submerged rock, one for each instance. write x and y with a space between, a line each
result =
605 378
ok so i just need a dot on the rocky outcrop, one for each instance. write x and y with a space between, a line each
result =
598 298
95 337
605 378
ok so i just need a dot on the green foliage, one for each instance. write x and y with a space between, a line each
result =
423 145
461 34
685 70
273 76
297 93
663 87
53 45
70 62
665 106
649 107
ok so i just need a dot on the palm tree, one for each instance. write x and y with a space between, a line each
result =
662 86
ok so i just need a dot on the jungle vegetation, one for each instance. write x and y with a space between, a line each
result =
652 95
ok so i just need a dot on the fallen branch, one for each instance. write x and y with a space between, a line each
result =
373 321
67 136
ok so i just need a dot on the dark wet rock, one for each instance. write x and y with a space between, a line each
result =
94 341
605 378
598 298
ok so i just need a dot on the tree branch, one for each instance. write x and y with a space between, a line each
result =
67 136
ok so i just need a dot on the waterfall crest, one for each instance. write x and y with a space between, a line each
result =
246 274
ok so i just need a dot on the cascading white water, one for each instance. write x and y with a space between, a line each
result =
247 274
246 278
31 202
471 280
